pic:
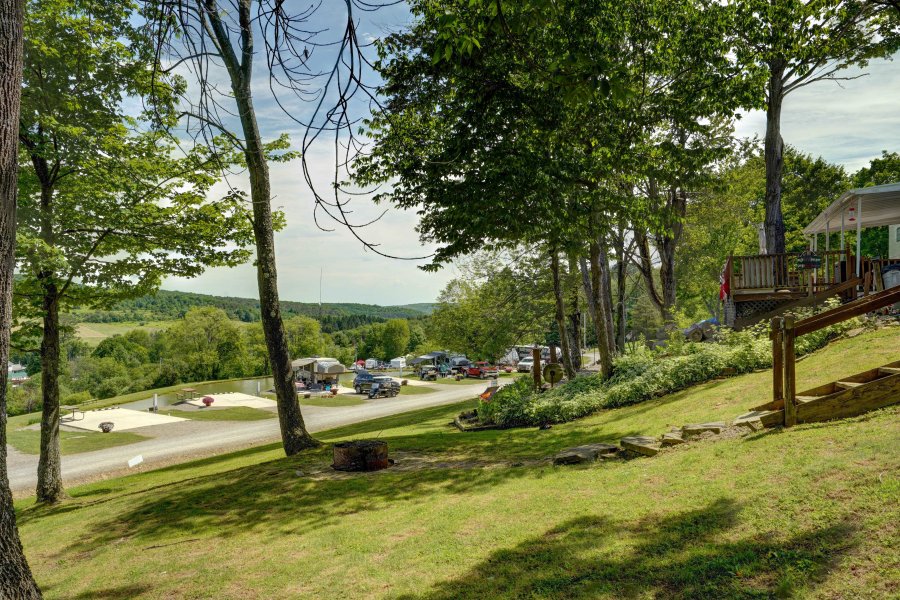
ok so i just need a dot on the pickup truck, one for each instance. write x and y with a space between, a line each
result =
382 387
481 370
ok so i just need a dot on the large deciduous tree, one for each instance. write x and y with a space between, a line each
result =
795 43
212 42
16 580
558 117
107 210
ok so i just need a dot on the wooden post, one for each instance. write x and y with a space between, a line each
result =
777 359
536 367
552 355
790 375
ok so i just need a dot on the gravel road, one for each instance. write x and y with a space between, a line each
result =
188 440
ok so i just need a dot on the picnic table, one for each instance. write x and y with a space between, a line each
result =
73 414
185 394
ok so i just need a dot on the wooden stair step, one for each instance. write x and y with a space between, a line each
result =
888 370
847 385
767 418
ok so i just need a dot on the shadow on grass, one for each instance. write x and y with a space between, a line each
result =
272 494
687 555
113 593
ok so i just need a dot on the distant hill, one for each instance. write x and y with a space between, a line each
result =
167 305
423 307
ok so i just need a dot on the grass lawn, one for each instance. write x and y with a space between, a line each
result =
339 400
94 333
232 413
476 381
415 390
70 442
808 512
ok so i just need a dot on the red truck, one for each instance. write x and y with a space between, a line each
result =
481 370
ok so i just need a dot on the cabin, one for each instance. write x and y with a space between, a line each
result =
761 286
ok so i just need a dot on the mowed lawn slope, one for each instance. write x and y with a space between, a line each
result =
809 512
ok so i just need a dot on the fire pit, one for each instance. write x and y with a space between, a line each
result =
106 426
361 455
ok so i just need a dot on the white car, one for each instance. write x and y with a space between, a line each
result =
526 365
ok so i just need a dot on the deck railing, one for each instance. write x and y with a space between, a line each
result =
780 272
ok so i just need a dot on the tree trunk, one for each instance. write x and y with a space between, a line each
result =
575 336
621 284
603 317
774 156
561 316
646 267
49 475
294 436
604 299
666 243
16 580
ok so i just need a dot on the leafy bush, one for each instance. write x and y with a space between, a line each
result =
505 407
644 374
77 398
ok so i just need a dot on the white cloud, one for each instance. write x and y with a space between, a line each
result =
848 122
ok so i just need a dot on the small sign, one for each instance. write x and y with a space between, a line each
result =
808 261
136 461
553 373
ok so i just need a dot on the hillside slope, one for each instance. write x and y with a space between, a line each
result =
167 305
808 512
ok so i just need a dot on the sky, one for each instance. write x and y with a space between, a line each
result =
847 123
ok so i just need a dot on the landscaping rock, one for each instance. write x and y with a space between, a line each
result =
582 454
672 439
694 429
854 332
647 446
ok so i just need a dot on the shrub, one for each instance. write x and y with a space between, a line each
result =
77 398
506 407
643 374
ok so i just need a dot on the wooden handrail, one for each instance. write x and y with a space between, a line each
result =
785 331
858 307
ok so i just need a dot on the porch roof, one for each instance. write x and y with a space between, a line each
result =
879 205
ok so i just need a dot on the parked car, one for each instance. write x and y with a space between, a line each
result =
481 370
363 381
526 365
458 365
383 387
428 373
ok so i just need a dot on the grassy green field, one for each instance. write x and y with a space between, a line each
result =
415 390
339 400
232 413
810 512
476 381
94 333
70 442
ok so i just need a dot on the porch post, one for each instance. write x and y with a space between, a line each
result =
829 269
858 236
842 230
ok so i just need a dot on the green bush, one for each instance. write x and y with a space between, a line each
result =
77 398
644 374
505 407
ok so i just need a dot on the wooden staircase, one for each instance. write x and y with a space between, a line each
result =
847 397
